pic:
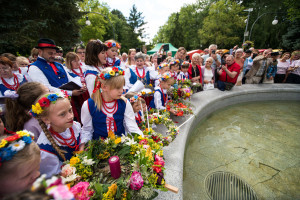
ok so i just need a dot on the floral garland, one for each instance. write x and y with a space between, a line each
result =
44 102
13 144
113 44
173 62
161 66
56 188
179 108
116 71
185 63
165 76
135 98
141 161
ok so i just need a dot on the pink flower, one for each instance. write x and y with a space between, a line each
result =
80 191
158 158
136 181
60 192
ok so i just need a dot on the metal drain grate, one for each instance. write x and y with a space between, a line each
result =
228 186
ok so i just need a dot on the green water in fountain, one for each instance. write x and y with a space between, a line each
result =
258 141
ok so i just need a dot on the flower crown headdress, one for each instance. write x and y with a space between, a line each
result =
185 63
44 102
116 71
135 98
165 76
113 44
173 62
163 65
13 144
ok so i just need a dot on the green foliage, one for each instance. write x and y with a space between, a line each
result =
293 9
223 25
291 40
107 25
24 22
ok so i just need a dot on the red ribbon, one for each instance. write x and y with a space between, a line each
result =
46 45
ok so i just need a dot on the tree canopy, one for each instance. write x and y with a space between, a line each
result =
24 22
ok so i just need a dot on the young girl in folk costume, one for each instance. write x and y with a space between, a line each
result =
19 163
18 105
174 67
135 101
183 74
60 136
95 59
106 112
9 81
131 56
139 72
76 71
162 68
160 96
112 53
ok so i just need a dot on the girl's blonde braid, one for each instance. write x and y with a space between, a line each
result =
50 138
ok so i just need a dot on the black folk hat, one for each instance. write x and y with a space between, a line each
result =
46 43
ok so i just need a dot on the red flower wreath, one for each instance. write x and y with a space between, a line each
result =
12 138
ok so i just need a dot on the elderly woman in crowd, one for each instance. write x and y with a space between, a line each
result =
195 69
208 74
139 71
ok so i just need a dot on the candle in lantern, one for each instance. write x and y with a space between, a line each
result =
115 167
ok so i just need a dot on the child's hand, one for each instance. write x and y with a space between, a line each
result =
76 92
81 147
173 111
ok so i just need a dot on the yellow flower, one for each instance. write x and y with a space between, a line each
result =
149 153
22 133
112 73
143 92
3 143
150 85
140 137
111 135
113 189
37 109
74 161
118 140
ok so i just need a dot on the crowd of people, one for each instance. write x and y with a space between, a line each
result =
63 103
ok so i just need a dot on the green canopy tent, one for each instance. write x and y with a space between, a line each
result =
157 47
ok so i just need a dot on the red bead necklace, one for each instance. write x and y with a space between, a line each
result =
138 74
114 108
65 141
81 74
15 86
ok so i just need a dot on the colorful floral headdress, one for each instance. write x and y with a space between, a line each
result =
45 102
173 62
185 63
165 76
13 144
113 44
116 71
135 98
163 65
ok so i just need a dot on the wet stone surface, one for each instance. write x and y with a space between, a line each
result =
258 141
